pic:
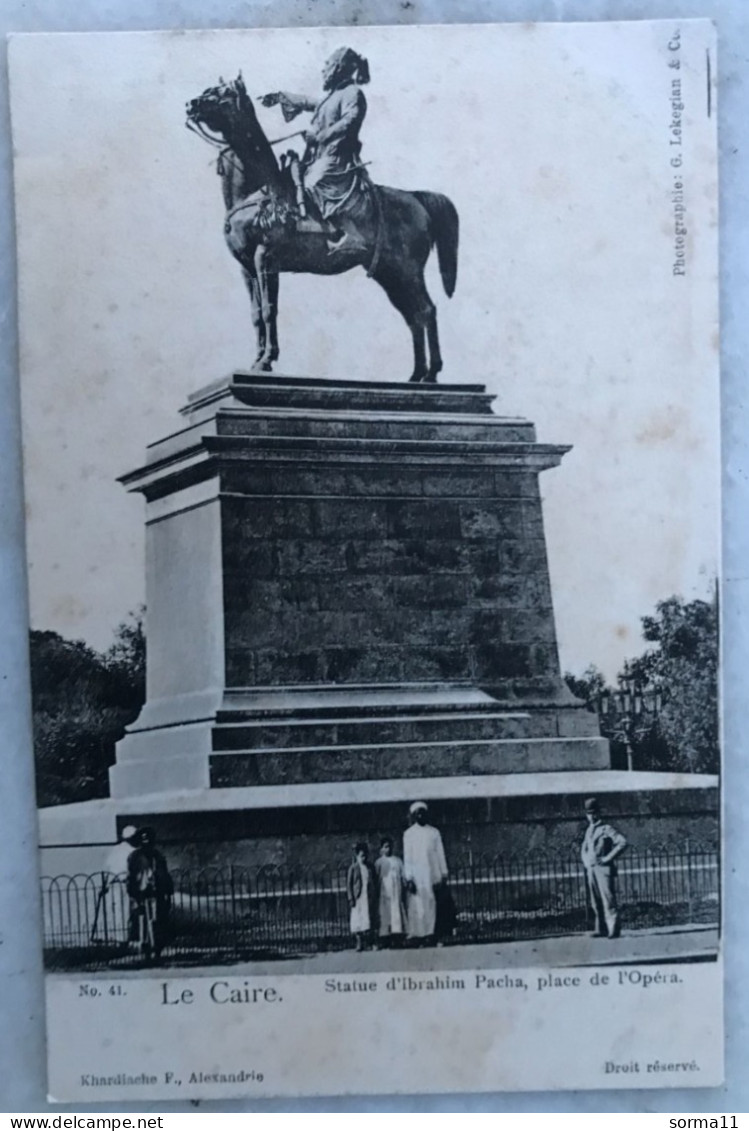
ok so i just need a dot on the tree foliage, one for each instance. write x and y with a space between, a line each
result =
684 665
676 680
589 686
82 702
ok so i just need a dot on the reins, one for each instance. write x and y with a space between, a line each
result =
201 131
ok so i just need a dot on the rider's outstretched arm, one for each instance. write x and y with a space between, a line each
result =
291 104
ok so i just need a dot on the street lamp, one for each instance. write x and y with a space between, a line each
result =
634 709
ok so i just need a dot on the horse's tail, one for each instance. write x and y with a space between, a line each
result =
443 229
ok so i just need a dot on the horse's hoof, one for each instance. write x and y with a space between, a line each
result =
416 378
430 379
262 367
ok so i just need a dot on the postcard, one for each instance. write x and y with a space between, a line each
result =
371 435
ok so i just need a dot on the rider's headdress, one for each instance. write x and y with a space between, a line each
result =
347 63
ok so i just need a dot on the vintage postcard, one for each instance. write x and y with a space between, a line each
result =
371 424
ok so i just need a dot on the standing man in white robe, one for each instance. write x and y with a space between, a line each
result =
425 869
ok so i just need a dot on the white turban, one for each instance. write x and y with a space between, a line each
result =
418 805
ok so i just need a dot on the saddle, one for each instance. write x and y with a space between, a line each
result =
297 211
306 214
308 217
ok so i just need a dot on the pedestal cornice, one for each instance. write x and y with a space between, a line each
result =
270 421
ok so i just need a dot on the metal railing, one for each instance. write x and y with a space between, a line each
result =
235 913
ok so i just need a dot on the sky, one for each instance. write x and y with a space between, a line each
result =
555 144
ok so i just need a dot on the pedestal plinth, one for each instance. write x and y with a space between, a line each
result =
348 582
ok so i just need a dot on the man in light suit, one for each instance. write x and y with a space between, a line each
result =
601 846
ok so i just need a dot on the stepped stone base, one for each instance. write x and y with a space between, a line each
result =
307 736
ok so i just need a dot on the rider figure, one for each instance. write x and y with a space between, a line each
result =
332 170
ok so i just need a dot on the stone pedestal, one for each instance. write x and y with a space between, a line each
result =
347 583
349 608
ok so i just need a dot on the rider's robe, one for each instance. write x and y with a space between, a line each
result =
331 175
334 133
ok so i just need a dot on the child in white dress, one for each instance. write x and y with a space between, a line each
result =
391 887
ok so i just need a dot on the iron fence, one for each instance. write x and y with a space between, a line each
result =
236 913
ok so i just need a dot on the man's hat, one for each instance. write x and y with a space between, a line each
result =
347 61
418 805
592 806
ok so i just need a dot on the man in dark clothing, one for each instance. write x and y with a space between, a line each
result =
150 888
361 891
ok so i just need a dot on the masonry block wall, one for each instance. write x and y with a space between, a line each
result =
387 575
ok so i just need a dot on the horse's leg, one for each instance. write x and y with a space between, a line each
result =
253 289
268 286
425 312
433 339
403 292
420 353
273 283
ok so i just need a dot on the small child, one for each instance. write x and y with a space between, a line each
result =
390 883
360 889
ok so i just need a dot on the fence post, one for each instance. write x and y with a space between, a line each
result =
688 853
333 882
105 887
235 929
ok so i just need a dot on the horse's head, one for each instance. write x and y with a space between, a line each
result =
224 115
220 108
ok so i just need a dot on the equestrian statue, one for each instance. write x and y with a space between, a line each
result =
321 213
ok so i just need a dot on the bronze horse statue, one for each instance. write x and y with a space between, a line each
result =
267 235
